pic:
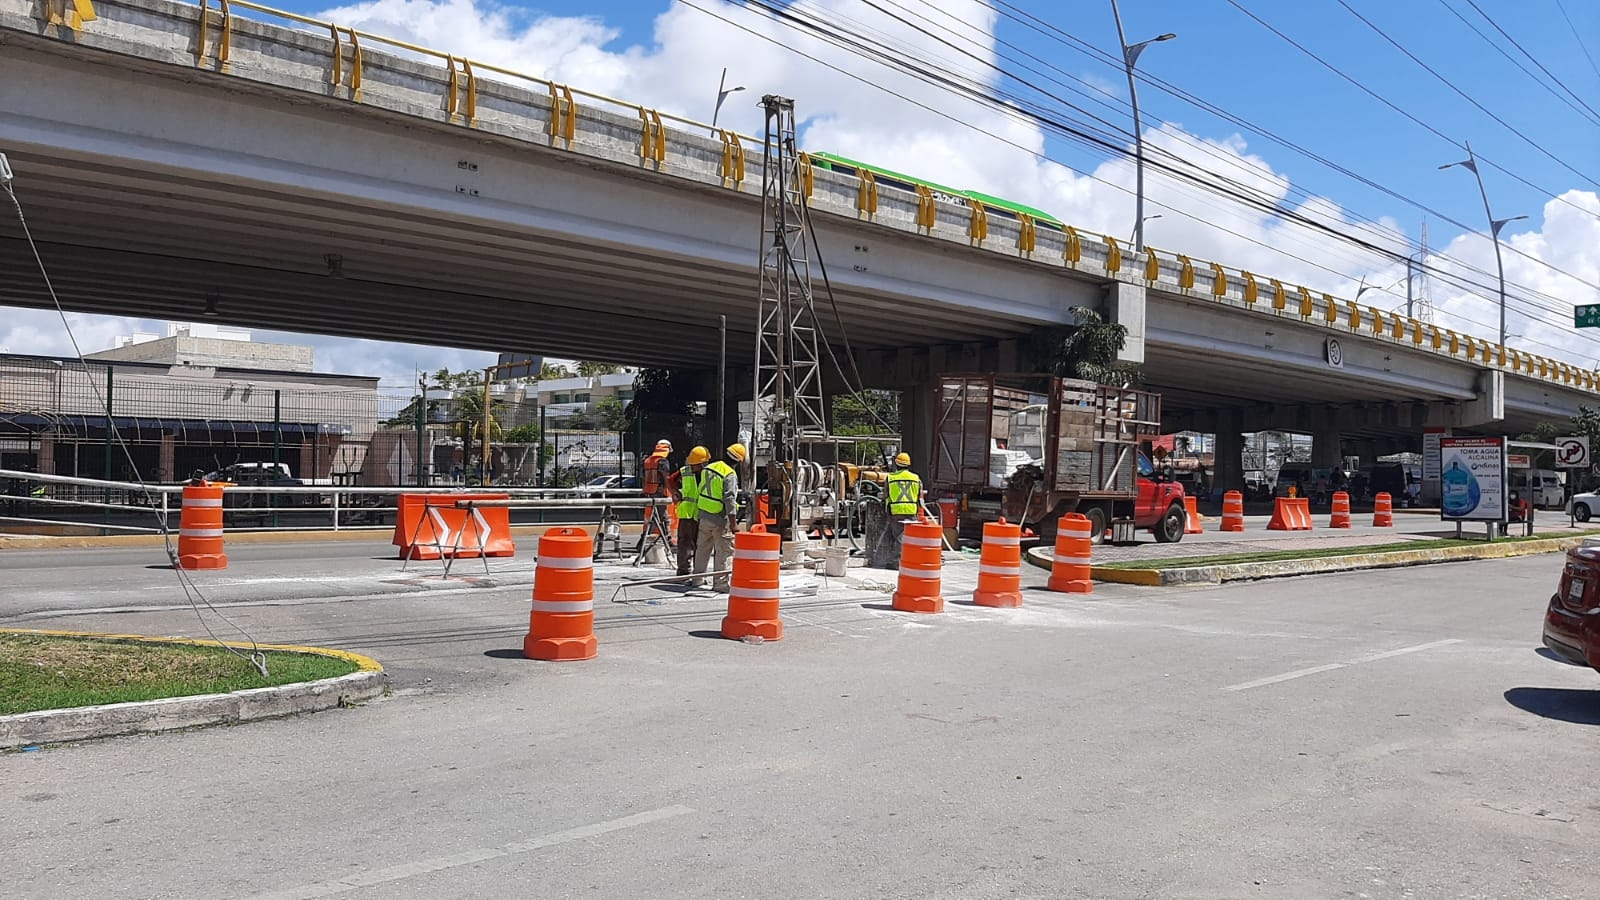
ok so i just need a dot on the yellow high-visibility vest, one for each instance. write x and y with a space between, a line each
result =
905 493
689 486
713 481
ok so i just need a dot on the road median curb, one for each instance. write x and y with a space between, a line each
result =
115 541
52 726
1353 561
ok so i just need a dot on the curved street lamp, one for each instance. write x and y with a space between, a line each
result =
1130 57
1471 164
722 94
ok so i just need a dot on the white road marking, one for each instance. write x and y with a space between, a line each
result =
467 858
1317 670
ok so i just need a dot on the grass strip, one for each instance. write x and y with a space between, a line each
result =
53 672
1188 562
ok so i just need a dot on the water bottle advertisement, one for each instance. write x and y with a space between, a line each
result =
1472 479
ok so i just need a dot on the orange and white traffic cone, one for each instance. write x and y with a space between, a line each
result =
200 528
753 593
1072 570
1340 518
1233 511
1000 566
1383 511
921 568
561 626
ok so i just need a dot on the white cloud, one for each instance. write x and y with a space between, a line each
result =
971 145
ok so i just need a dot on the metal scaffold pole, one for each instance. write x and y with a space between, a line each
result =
788 373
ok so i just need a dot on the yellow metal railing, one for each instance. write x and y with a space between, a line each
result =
460 104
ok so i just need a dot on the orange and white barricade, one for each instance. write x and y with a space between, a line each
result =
1192 522
1340 517
1290 514
754 588
430 526
921 568
1383 511
200 531
1072 568
561 626
1000 566
1233 511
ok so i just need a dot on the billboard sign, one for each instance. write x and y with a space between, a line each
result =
1472 479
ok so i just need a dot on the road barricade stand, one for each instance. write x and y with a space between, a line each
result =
1290 514
432 526
1192 521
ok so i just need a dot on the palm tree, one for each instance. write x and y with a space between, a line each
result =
1089 351
469 422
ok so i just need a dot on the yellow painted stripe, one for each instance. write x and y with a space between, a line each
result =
363 663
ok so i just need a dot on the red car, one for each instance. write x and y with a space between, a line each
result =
1572 623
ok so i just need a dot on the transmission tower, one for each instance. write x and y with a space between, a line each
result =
788 372
1424 299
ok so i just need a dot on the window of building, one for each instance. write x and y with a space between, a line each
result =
580 398
563 398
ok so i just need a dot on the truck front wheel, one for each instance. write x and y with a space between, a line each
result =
1170 529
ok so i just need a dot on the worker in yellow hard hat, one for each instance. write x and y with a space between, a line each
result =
905 494
719 516
689 506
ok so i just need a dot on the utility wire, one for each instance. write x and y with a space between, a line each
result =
1582 110
1465 96
1583 46
256 658
1530 56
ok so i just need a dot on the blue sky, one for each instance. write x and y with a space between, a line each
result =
667 54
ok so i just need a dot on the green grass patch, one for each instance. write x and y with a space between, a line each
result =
54 672
1188 562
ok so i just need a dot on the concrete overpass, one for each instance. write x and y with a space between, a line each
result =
177 164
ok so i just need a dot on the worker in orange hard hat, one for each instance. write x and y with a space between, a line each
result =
688 479
656 481
719 516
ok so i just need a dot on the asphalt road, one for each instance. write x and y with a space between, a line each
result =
1380 734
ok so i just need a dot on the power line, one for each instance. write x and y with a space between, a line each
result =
1582 110
1574 29
1464 95
1530 56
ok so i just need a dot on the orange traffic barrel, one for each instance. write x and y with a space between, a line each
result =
921 568
1341 510
1233 511
200 528
1191 517
1072 570
561 625
753 594
1382 511
1000 566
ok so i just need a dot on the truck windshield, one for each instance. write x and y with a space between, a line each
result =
1146 470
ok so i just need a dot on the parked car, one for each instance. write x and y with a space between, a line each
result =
256 474
1583 505
1572 623
601 485
1546 488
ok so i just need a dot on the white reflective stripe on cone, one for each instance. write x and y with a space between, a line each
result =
563 606
1078 532
923 541
1005 541
755 593
1074 560
920 573
999 570
202 501
764 555
565 562
200 532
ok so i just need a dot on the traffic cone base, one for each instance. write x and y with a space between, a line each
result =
560 649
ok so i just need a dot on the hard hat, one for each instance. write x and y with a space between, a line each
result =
903 460
698 455
737 451
664 444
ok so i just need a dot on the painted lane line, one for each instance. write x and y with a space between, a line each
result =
469 857
1317 670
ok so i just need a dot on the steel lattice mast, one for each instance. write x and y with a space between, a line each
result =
788 373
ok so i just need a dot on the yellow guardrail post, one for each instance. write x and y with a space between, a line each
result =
732 170
866 193
1113 255
1330 309
1185 273
68 13
1355 316
653 138
927 212
224 37
1219 281
1416 331
1377 321
808 177
563 114
977 222
337 75
462 96
1280 297
1502 361
1027 234
1306 306
1152 264
1072 248
1251 291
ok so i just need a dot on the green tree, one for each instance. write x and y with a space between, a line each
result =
611 415
662 406
588 369
1088 350
869 412
552 372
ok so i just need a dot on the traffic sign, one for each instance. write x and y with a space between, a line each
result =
1586 316
1572 452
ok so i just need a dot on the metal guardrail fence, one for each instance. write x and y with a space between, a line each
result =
33 502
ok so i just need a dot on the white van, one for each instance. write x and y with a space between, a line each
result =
1547 487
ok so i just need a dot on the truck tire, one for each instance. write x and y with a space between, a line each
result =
1097 523
1169 530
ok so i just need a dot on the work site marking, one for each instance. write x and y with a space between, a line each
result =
1317 670
469 857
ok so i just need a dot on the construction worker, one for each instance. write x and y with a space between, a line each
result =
689 507
656 482
719 517
905 489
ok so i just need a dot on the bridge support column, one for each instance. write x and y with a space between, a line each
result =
916 428
1325 449
1227 473
1125 305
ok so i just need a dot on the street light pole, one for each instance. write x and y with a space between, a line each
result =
1471 164
1130 57
1140 231
722 94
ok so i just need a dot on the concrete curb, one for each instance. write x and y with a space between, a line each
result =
98 542
1355 560
52 726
